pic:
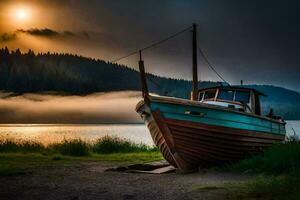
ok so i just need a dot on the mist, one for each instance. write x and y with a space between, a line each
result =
111 107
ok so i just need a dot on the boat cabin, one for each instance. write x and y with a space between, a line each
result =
236 98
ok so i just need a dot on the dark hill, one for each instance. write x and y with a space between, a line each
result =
29 72
285 102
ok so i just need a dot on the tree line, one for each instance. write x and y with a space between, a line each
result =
24 72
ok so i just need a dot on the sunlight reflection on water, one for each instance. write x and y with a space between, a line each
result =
50 133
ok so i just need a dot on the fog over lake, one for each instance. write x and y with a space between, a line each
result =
51 118
111 107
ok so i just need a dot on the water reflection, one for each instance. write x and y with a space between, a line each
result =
50 133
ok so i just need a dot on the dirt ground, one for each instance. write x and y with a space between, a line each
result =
90 181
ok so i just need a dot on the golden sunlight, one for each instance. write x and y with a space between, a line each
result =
21 14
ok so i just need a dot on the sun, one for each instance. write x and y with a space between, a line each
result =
19 15
22 14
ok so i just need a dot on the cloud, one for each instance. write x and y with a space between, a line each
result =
39 32
46 32
112 107
5 37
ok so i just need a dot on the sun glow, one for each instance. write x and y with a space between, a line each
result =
21 14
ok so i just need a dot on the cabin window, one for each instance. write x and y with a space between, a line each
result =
226 95
200 96
210 94
242 96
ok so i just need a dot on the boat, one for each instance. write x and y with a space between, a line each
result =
218 125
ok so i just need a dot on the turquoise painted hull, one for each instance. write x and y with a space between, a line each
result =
191 134
219 117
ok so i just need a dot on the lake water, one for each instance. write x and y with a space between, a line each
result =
49 133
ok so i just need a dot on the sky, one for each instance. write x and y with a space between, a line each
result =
253 40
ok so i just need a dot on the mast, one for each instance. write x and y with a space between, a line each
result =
194 96
143 77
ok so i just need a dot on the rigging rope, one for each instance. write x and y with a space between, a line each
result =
152 45
210 65
164 40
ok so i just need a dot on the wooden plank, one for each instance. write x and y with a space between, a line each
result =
217 145
223 130
160 142
183 165
240 139
161 170
157 115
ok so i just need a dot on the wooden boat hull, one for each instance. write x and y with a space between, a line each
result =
188 143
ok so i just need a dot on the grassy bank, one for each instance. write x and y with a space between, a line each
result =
279 159
277 173
263 187
75 147
17 157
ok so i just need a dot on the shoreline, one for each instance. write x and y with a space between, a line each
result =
87 179
29 170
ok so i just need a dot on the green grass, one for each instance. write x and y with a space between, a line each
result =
279 159
277 173
283 187
20 163
17 156
116 145
9 145
76 147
